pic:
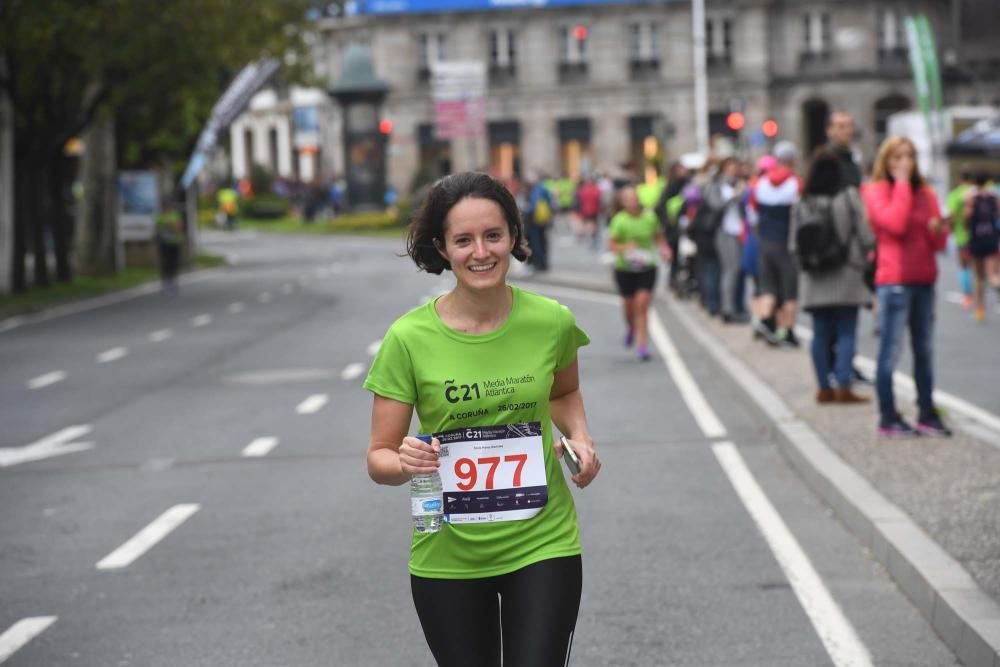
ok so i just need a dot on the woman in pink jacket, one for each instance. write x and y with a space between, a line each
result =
909 230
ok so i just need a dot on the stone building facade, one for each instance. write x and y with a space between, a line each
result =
574 89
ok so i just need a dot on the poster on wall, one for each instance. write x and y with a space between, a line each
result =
138 205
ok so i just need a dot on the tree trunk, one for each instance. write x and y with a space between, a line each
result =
18 276
98 243
61 217
38 219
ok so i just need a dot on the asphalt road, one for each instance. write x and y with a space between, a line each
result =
294 558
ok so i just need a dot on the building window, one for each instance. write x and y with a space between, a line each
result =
891 33
573 53
644 51
503 56
719 42
817 37
432 48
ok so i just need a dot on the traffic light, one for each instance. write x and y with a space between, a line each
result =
580 33
735 121
385 126
770 128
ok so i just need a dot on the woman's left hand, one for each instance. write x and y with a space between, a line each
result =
590 464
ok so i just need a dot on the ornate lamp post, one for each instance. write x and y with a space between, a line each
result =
360 95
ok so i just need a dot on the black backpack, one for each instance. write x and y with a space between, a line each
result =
983 235
818 246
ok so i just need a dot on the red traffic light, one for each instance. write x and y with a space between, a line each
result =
385 126
735 121
770 128
580 32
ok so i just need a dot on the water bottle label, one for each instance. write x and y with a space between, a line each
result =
425 506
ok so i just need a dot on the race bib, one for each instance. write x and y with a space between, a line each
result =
493 473
639 258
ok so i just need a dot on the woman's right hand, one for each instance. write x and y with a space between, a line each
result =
417 457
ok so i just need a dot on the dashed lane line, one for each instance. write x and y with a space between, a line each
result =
148 537
352 371
287 288
834 630
260 447
373 347
46 379
21 633
312 405
113 354
202 320
236 307
264 297
161 335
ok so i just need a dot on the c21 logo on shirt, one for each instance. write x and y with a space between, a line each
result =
455 393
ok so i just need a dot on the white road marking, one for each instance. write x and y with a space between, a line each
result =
708 421
373 348
46 379
202 320
60 442
264 297
905 385
236 307
312 404
113 354
954 297
260 447
148 537
287 288
352 371
21 633
833 628
161 335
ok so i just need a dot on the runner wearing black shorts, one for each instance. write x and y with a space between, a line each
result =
635 234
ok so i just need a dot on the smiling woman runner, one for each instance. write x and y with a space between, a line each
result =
511 355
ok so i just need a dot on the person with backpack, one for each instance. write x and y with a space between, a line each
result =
981 213
909 231
538 217
772 199
831 238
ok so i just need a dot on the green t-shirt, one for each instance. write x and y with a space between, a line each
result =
640 228
955 205
459 381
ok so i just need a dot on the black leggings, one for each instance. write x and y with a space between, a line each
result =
536 606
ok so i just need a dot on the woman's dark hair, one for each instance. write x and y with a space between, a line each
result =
826 176
429 224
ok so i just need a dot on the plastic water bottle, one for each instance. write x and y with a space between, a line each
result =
426 499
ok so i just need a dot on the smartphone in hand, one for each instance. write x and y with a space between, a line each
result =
569 456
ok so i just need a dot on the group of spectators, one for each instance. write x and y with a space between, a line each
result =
830 242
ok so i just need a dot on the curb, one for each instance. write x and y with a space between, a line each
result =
965 617
108 299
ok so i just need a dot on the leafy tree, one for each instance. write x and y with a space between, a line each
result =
152 68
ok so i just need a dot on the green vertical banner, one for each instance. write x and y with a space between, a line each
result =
919 67
928 52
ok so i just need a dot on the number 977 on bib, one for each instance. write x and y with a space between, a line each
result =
493 473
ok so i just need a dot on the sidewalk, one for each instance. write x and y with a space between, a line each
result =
950 488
